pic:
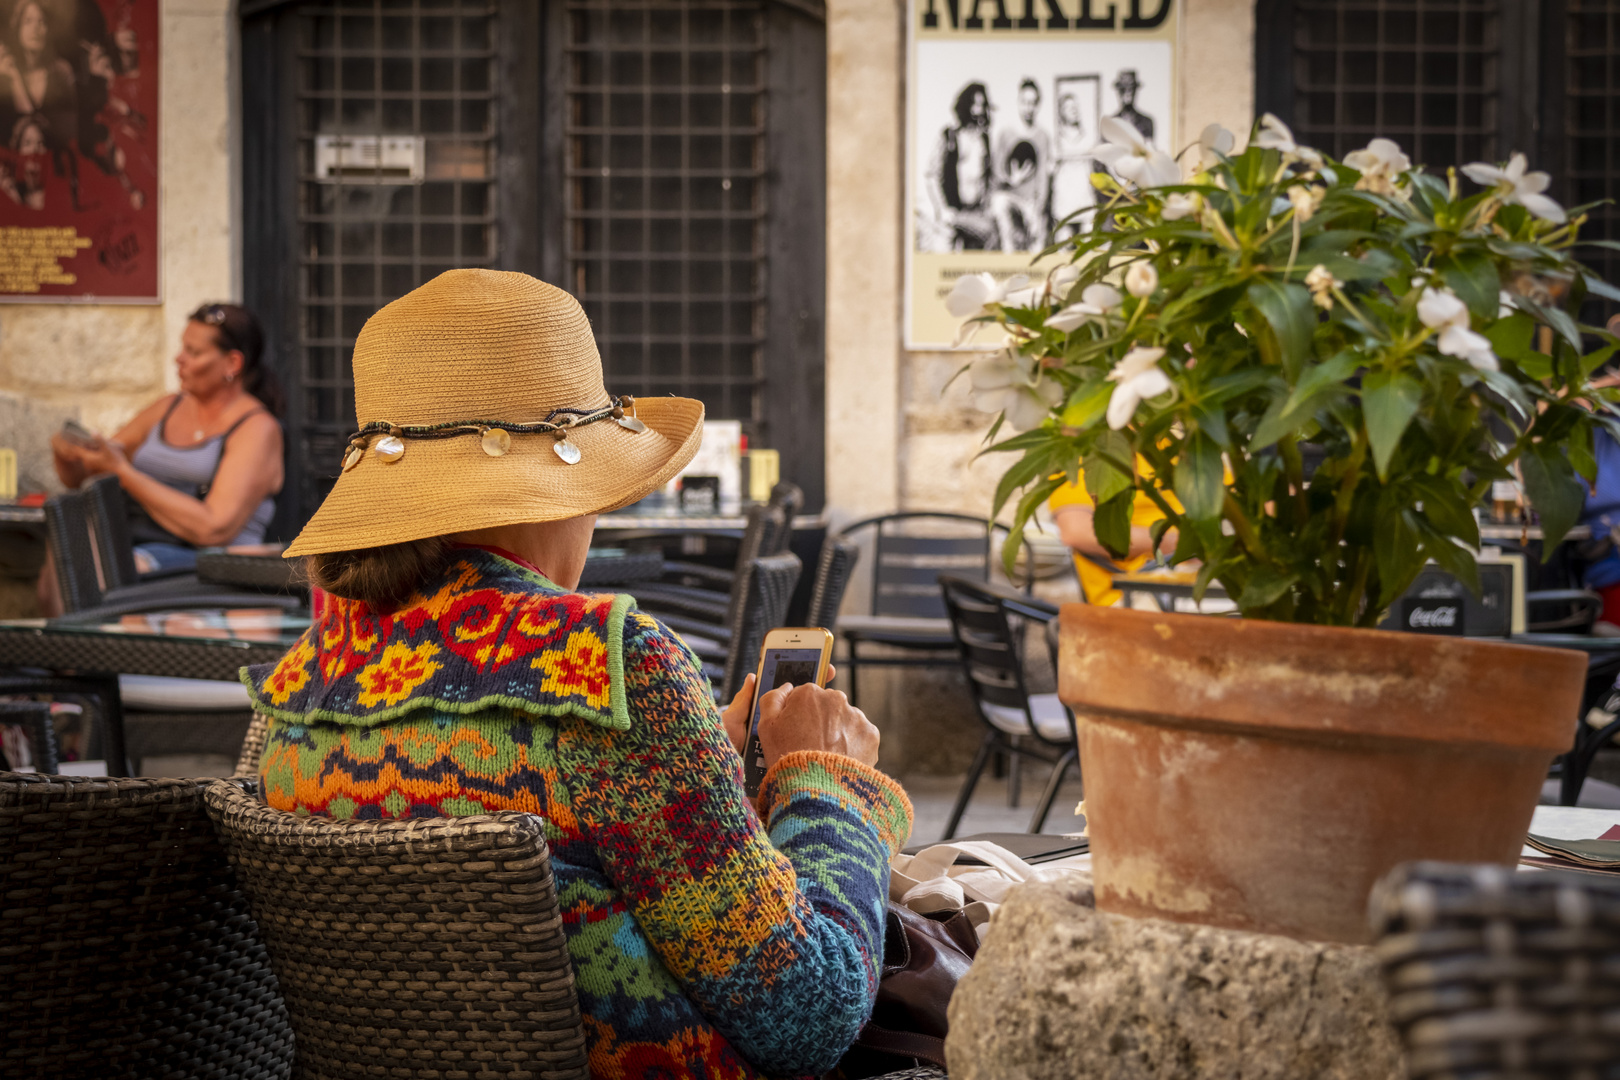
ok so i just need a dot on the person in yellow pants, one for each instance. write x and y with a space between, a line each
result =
1072 509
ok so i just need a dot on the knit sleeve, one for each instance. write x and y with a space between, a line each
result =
778 938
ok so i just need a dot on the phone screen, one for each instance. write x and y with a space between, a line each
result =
796 666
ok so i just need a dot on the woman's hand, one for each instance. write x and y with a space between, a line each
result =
737 714
793 718
107 457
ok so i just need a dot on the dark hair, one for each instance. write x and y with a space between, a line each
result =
236 329
1029 84
382 577
964 102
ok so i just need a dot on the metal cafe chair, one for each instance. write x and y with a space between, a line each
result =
439 939
127 948
983 619
910 551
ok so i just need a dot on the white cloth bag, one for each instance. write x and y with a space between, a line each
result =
932 880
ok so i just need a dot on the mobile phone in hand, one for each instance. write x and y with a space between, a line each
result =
79 435
794 655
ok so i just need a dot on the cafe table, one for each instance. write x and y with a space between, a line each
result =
88 654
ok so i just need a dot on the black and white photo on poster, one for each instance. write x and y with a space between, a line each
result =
1006 133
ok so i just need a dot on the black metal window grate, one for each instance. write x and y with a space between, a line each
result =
1421 72
1591 77
396 120
664 129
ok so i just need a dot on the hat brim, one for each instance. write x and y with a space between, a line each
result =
444 486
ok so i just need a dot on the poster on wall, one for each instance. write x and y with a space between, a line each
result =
79 151
1004 102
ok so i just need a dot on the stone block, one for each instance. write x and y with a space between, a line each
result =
82 349
1061 991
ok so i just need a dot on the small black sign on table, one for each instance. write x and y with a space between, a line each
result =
1432 615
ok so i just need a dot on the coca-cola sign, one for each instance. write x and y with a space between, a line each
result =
1432 615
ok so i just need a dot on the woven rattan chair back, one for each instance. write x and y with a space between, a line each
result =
766 588
833 570
424 947
1497 974
126 949
109 523
67 529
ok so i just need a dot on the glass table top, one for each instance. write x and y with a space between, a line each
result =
259 626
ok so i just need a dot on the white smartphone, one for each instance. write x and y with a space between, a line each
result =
793 654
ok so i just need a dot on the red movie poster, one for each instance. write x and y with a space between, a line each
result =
79 150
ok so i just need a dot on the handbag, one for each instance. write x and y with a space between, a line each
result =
924 956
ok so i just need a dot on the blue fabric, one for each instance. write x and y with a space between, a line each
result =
166 557
1602 510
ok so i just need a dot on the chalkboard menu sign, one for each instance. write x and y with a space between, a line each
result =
1438 603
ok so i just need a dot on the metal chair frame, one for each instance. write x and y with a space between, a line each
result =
992 658
923 649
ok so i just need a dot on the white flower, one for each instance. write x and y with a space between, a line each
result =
1214 143
1010 383
1321 282
1442 310
1138 377
973 294
1504 300
1061 280
1514 185
1274 135
1179 205
1132 158
1141 279
1379 164
1095 303
1305 199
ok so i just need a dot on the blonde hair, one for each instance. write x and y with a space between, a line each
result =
382 577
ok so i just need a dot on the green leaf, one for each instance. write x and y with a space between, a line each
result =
1511 337
1473 277
1112 523
1599 287
1265 586
1456 561
1288 310
1157 530
1104 480
1446 510
1553 489
1033 464
1395 551
1027 505
1597 358
1388 403
1580 454
1199 474
1087 404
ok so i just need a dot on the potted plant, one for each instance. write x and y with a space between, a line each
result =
1262 772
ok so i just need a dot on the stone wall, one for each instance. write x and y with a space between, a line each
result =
100 364
897 438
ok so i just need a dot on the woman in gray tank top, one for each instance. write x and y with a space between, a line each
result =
200 468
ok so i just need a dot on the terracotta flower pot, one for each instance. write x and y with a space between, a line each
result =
1263 776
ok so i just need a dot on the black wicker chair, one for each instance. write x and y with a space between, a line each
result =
433 945
761 597
126 948
1499 974
34 717
834 568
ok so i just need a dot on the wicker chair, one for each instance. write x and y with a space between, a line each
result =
125 947
34 717
1497 974
833 571
424 947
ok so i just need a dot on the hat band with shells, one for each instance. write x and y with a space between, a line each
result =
495 436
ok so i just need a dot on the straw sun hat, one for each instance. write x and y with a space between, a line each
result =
480 402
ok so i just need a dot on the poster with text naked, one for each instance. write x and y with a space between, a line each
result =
1004 104
79 151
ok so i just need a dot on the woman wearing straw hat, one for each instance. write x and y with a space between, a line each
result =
458 673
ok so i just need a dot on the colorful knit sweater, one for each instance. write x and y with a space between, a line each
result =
704 943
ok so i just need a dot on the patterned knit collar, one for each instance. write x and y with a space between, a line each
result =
487 633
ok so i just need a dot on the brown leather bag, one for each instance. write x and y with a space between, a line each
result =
923 958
